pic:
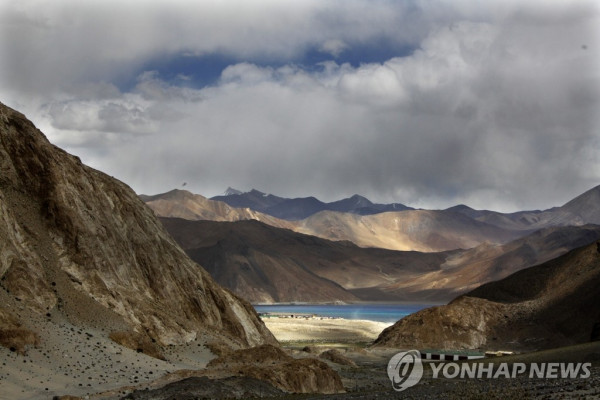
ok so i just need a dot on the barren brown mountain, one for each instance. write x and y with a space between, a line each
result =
266 264
458 227
550 305
94 293
584 209
186 205
419 230
466 270
71 235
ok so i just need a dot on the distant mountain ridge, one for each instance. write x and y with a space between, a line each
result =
183 204
583 209
301 208
459 227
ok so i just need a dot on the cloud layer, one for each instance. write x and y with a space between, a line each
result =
496 105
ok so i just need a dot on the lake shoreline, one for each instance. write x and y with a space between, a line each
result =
323 329
388 313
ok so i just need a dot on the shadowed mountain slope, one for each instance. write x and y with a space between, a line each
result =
466 270
266 264
550 305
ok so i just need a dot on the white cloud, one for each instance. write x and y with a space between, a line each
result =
335 47
497 108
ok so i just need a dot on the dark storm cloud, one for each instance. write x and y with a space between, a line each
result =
495 108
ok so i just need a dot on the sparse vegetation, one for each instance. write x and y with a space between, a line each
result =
18 339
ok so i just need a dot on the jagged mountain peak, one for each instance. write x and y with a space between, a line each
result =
231 191
293 209
361 200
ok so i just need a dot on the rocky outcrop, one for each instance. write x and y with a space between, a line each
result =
336 357
78 241
464 323
271 364
550 305
298 376
14 336
265 354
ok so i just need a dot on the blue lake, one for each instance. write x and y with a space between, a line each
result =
373 312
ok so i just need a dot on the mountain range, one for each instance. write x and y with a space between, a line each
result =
269 265
458 227
301 208
581 210
546 306
417 255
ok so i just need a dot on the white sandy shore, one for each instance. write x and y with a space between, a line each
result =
324 329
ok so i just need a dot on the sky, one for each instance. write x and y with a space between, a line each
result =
494 104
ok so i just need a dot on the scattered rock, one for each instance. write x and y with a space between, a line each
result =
265 354
335 356
272 364
298 376
137 341
310 349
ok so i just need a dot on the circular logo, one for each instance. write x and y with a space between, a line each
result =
405 369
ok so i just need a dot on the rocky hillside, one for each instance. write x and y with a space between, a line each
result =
466 270
76 241
553 304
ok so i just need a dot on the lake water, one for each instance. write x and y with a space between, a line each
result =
372 312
